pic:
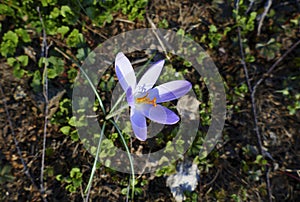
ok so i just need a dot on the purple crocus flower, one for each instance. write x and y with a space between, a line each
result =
143 99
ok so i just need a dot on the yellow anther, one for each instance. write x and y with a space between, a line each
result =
142 99
146 100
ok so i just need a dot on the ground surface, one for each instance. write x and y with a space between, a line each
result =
232 172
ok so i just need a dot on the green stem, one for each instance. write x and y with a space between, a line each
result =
96 159
129 156
116 112
117 103
86 76
95 90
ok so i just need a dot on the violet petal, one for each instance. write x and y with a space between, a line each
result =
139 126
170 91
125 72
150 77
159 114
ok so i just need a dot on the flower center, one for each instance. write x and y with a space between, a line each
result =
146 100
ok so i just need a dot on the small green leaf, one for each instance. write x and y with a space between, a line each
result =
81 55
6 10
72 121
9 43
91 12
17 63
11 36
23 35
54 13
169 147
75 38
78 123
36 81
269 49
58 177
284 91
77 182
213 28
63 30
56 67
124 191
180 32
68 180
163 24
65 10
11 61
72 74
65 130
74 136
23 59
19 73
74 171
259 159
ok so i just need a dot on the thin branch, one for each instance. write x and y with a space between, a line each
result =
157 34
253 96
263 15
213 180
268 183
44 54
243 60
253 108
290 175
25 167
89 186
253 102
250 6
275 65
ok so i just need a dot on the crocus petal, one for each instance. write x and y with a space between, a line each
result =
130 97
139 126
150 77
159 114
170 91
125 72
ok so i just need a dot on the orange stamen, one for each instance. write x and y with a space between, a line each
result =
146 100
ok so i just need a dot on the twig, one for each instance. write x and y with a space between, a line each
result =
268 183
252 98
250 6
275 65
156 32
253 103
290 175
25 167
263 15
44 54
213 180
124 20
253 107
